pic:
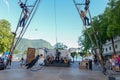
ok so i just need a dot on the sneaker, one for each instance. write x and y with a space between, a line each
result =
24 66
89 24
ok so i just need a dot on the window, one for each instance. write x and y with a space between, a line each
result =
109 48
116 46
103 49
106 50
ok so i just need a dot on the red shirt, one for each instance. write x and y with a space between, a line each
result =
118 59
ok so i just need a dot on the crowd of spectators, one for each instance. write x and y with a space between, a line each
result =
113 62
50 59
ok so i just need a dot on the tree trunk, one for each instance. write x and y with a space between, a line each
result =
113 46
73 59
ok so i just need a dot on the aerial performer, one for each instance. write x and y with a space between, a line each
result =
84 18
87 2
32 63
25 13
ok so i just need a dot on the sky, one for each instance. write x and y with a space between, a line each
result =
60 20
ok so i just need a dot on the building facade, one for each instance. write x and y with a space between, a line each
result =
108 49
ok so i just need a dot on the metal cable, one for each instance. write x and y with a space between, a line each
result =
55 22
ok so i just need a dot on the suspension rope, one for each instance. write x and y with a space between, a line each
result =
55 22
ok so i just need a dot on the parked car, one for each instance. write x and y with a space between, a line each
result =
2 65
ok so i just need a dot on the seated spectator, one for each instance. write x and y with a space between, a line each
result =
48 59
61 60
66 60
51 59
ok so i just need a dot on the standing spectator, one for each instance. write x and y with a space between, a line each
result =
22 61
119 61
112 60
10 59
57 58
90 64
109 64
116 62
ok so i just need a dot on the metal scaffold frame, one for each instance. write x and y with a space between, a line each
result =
18 37
95 45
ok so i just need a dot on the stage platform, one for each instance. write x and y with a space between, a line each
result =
55 64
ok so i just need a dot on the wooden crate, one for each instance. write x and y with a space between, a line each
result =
30 54
83 64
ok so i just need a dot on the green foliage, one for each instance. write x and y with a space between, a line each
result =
5 35
106 26
114 17
83 54
60 46
84 42
16 51
73 54
25 52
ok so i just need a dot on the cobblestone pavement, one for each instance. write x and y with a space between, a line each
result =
50 73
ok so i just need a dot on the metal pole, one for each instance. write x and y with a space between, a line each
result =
55 23
98 50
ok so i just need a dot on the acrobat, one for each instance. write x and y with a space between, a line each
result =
84 18
87 2
32 63
25 12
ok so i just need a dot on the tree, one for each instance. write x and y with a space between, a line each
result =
84 42
83 54
73 55
16 51
5 35
114 24
106 26
25 52
60 46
